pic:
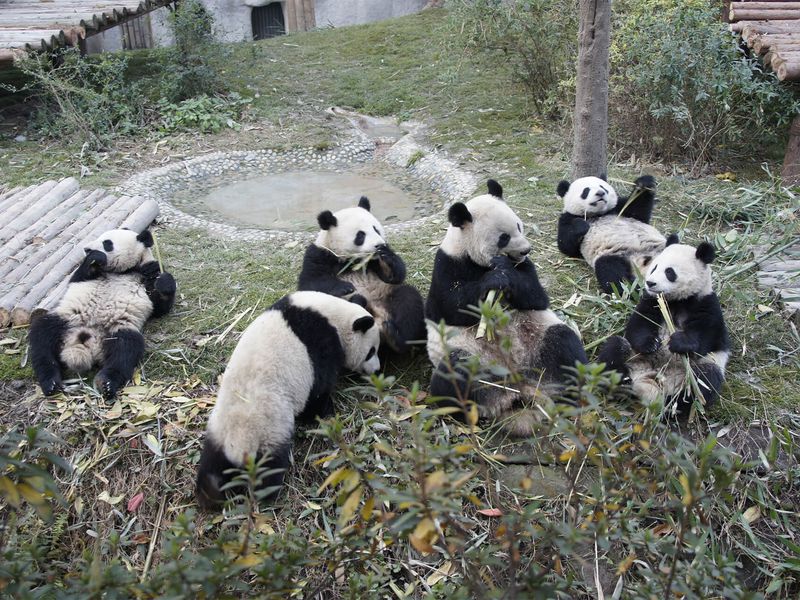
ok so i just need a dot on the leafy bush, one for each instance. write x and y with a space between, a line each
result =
193 64
682 85
538 37
208 114
84 98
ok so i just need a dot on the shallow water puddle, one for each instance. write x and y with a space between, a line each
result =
292 200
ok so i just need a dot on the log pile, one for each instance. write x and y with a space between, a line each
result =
43 230
772 29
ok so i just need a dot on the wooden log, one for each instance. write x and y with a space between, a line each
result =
747 27
789 71
33 213
137 221
764 14
8 192
13 198
777 5
776 57
58 265
768 40
25 201
17 268
62 214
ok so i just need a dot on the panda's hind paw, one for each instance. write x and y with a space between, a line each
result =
51 386
106 385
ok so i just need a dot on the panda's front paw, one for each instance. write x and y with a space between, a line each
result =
150 270
51 386
165 284
646 182
680 343
647 345
342 289
501 262
495 280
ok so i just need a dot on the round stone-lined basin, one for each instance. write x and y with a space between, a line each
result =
292 200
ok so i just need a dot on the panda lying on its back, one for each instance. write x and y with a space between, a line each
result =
99 319
284 367
614 245
345 239
485 249
682 275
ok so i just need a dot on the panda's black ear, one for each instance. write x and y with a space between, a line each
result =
363 324
562 188
459 214
495 189
326 220
146 238
673 239
604 177
358 299
363 202
705 253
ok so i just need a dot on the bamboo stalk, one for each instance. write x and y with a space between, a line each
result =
11 199
490 298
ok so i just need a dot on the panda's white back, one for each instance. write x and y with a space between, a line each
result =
612 234
265 385
109 303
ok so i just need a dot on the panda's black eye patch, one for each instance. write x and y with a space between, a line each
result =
108 245
370 354
519 227
671 275
585 193
654 269
360 237
503 241
376 230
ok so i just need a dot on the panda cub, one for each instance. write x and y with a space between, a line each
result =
283 369
99 320
485 249
615 246
649 355
334 264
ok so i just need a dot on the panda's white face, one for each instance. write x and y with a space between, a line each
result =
123 249
680 271
494 229
589 196
358 333
355 233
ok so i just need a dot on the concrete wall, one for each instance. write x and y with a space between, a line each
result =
338 13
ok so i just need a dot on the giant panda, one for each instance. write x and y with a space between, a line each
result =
99 319
485 249
283 369
649 355
616 240
350 256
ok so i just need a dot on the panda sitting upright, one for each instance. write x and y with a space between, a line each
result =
615 245
99 319
351 257
649 355
484 249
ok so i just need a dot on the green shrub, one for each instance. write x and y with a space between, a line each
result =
208 114
537 37
682 85
87 99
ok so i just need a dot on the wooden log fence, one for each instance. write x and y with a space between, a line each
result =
44 230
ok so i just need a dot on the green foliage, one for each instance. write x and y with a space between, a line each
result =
682 85
538 38
208 114
193 65
86 99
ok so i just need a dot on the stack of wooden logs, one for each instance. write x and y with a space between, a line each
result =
772 29
43 230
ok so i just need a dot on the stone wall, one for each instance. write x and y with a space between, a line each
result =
338 13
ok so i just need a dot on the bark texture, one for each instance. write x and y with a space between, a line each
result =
589 151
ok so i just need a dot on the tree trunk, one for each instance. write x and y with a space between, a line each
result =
589 151
791 162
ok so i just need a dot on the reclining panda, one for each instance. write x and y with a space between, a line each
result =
99 320
650 356
351 257
485 249
612 234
